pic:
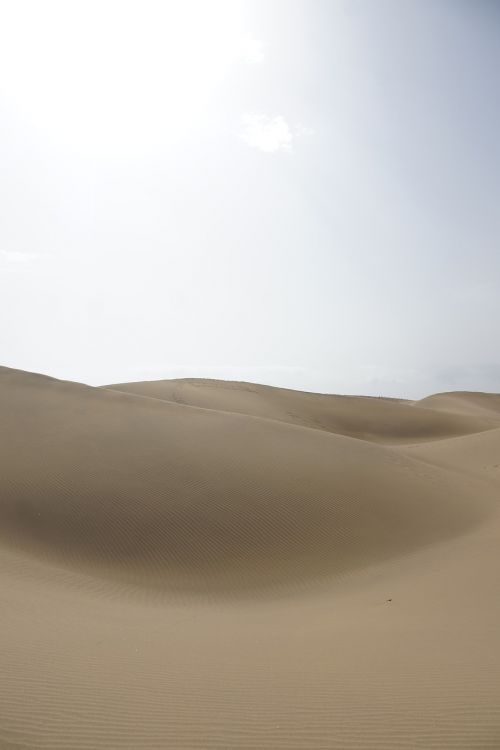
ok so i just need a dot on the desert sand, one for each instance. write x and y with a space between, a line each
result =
210 564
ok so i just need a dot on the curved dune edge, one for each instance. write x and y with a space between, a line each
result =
470 403
192 500
380 420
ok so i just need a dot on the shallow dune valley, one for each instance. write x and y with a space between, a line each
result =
212 564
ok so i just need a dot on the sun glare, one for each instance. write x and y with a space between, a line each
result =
114 76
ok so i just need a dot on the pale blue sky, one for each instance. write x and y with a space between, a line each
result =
300 193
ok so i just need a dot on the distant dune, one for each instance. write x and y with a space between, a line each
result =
212 564
382 420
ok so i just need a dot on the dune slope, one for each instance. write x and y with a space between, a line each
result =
183 498
381 420
183 568
482 405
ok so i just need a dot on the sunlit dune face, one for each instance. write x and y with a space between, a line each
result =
114 76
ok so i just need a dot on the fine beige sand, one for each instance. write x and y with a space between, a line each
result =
210 564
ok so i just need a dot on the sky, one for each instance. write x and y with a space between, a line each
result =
303 193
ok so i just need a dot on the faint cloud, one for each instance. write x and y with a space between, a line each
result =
272 134
15 257
252 50
266 133
304 131
16 261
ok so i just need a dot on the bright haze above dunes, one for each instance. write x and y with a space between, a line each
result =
239 561
302 194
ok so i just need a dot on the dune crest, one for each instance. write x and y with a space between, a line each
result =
482 405
380 420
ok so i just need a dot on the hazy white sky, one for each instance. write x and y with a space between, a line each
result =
301 193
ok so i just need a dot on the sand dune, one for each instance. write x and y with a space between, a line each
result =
202 564
382 420
483 405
